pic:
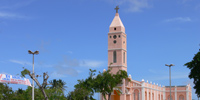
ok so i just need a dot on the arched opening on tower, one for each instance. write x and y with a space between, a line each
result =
114 57
124 57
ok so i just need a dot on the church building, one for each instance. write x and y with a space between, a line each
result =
136 90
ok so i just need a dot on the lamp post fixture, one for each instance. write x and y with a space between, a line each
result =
30 52
170 77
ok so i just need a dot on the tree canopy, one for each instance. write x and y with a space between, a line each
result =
103 83
194 66
6 93
106 82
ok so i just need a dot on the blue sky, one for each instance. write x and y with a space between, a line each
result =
71 36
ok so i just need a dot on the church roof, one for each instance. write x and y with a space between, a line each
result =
116 21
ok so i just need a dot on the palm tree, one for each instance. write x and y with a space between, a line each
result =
58 84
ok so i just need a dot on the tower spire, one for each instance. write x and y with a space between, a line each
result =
117 21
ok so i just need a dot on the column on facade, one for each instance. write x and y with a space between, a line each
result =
163 92
151 90
143 90
187 92
160 95
156 94
148 91
123 95
175 92
160 91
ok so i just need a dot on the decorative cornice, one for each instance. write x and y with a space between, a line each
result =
136 82
116 32
117 49
117 66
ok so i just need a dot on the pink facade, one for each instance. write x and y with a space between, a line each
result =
136 90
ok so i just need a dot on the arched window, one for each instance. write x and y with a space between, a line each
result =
149 96
152 96
145 95
181 97
114 57
124 57
136 95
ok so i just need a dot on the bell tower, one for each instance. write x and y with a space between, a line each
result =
117 54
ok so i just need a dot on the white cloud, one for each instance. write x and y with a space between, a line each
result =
68 62
152 71
20 62
15 4
79 71
72 66
137 5
70 52
61 71
133 5
91 63
56 75
174 77
164 75
179 19
11 16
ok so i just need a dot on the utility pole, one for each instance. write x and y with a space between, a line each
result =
170 77
30 52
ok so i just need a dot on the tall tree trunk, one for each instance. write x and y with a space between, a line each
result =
109 96
41 86
43 92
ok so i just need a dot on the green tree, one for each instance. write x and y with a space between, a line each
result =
194 66
80 94
86 86
6 92
106 82
19 94
58 84
56 90
41 86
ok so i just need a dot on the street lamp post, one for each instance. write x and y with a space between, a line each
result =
170 77
30 52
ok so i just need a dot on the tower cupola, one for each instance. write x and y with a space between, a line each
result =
117 24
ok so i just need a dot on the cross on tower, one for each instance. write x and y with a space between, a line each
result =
117 8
